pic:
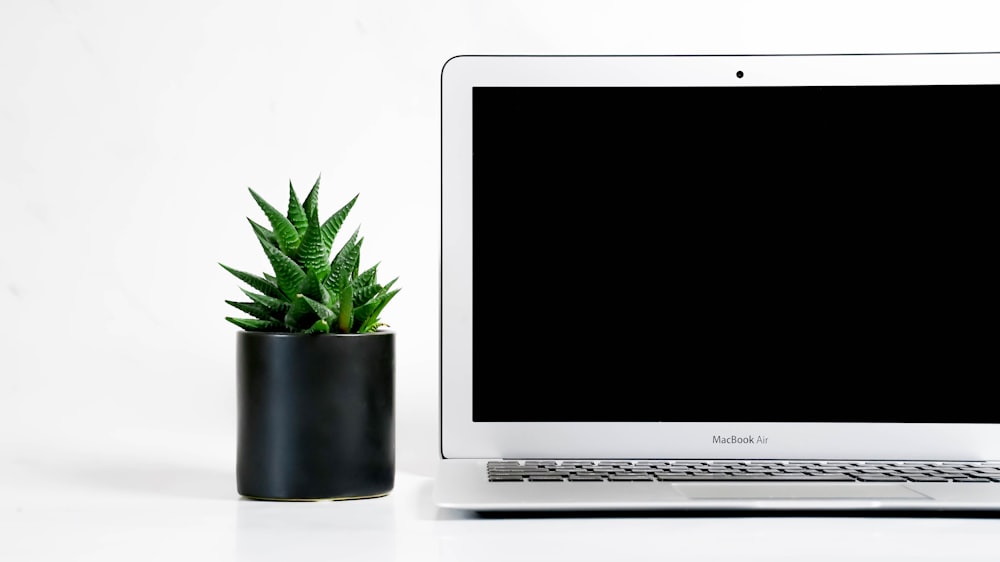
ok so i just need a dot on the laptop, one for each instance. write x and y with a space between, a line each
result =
760 282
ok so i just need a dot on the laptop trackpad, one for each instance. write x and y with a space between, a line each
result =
797 490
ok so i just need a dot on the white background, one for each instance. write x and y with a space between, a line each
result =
130 131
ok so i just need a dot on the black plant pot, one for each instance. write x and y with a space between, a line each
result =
315 415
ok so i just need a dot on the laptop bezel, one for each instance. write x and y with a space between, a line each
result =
460 437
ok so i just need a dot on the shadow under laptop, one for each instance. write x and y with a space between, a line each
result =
711 535
719 513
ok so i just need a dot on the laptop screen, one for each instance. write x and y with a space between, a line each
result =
743 254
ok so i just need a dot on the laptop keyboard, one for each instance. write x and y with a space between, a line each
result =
774 471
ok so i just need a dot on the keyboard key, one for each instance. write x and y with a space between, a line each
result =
630 477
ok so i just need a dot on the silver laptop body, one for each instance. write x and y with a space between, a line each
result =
719 282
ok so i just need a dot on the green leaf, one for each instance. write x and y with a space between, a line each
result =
342 282
372 320
373 303
263 285
311 204
346 315
253 309
296 214
257 325
287 272
312 252
320 309
278 307
365 286
319 327
368 277
299 314
344 264
332 225
261 229
314 289
370 310
365 293
284 230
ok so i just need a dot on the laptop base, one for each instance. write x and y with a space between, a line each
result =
462 484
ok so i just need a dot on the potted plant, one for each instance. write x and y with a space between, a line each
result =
315 364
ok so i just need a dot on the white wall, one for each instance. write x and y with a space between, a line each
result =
130 131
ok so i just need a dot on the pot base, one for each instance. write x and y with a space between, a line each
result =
337 499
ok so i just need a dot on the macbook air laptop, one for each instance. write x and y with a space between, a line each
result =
719 282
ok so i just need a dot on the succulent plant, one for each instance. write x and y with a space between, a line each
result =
309 292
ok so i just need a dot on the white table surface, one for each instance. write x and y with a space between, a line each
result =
144 503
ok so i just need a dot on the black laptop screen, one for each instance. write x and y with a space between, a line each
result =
750 254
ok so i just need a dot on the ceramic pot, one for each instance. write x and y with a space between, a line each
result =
316 418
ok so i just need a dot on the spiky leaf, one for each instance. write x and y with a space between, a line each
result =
253 309
367 277
278 307
299 315
371 306
257 325
372 321
311 204
287 272
296 214
320 309
263 285
365 286
284 230
365 293
344 264
265 232
313 254
314 289
332 225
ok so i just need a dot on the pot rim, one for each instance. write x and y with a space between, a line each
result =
303 335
